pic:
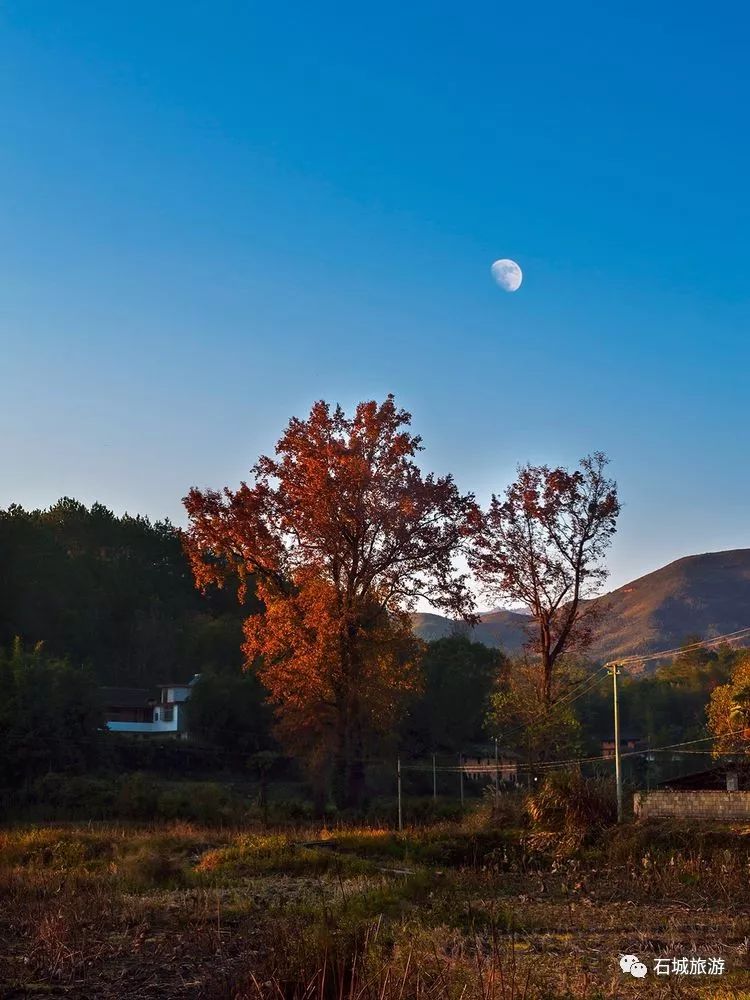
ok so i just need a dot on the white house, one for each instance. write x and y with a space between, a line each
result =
165 714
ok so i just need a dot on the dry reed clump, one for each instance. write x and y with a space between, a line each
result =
568 810
151 868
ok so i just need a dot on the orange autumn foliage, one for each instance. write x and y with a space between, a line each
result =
341 533
297 644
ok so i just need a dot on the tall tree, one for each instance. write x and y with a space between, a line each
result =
50 715
449 713
524 722
341 533
728 710
229 711
541 546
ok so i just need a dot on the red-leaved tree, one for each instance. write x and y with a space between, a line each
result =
341 533
542 545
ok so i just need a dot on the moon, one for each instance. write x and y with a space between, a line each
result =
507 274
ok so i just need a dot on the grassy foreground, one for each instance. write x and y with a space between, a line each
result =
465 911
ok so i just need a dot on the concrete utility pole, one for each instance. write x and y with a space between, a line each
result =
461 775
618 771
497 777
398 775
434 779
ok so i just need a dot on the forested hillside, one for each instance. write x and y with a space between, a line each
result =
114 593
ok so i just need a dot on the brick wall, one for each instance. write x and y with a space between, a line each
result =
670 803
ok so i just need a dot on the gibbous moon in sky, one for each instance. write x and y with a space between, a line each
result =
507 274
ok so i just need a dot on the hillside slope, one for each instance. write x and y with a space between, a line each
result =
702 595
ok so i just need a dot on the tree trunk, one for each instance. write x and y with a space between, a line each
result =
547 677
340 759
319 798
355 789
349 765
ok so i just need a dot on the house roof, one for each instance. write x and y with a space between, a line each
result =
711 777
488 752
125 697
180 684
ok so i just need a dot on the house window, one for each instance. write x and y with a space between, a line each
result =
168 714
156 715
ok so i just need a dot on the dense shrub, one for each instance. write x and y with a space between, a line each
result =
200 802
76 795
417 811
138 797
295 811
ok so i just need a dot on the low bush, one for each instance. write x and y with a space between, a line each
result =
138 797
75 795
200 802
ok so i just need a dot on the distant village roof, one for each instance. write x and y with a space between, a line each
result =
488 751
180 684
125 697
711 777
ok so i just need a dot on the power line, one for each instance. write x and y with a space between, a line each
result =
575 693
686 743
636 753
700 644
490 768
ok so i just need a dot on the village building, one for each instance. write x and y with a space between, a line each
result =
628 744
145 713
721 792
484 768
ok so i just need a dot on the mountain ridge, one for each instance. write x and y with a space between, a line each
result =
704 595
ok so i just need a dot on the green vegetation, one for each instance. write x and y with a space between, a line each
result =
50 716
666 706
457 672
114 593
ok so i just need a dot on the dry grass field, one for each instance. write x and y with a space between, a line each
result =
465 911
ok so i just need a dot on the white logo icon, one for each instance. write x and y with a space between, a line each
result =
633 965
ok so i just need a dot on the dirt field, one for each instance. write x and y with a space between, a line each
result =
451 911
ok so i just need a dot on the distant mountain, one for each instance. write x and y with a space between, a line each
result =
704 595
497 628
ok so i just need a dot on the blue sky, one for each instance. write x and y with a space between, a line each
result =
212 214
